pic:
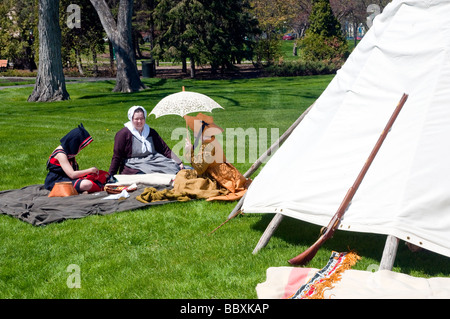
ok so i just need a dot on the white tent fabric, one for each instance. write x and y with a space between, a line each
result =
406 192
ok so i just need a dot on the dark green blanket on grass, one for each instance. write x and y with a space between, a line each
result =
31 204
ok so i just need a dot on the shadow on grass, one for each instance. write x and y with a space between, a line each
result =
296 232
158 83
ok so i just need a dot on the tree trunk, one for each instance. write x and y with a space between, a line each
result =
50 82
79 63
94 60
151 22
111 57
120 35
136 38
183 65
192 68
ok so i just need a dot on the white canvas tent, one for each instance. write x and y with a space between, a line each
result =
406 192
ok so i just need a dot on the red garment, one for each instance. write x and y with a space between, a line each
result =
98 180
101 177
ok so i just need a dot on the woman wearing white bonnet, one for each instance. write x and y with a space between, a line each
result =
138 149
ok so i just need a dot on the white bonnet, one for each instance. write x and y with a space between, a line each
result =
133 109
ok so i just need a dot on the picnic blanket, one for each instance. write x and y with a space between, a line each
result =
298 282
31 203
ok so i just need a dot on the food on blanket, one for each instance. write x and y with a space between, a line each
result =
117 189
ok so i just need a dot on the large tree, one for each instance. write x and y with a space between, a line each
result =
50 82
228 33
324 39
84 38
120 34
176 21
18 24
204 31
275 17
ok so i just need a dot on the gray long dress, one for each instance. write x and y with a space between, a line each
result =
150 162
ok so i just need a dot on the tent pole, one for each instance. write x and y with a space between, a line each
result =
389 253
267 153
237 207
273 225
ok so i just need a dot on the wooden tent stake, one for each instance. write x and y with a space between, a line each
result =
273 225
389 253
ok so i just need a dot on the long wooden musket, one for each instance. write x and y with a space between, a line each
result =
328 232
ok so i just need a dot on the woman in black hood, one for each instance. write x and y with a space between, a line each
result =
62 166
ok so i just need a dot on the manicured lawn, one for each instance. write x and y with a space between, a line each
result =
163 251
11 82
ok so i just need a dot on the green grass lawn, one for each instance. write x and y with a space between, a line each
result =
9 82
163 251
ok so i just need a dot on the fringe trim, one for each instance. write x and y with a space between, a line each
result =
326 278
349 260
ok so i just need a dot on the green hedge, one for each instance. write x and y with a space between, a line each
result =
301 68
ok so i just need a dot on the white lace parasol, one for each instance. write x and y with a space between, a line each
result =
183 103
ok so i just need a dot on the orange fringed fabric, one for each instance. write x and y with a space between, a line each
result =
328 276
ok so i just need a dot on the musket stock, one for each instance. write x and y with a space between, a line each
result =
309 254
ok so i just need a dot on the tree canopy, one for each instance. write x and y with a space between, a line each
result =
204 31
86 37
213 32
324 39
